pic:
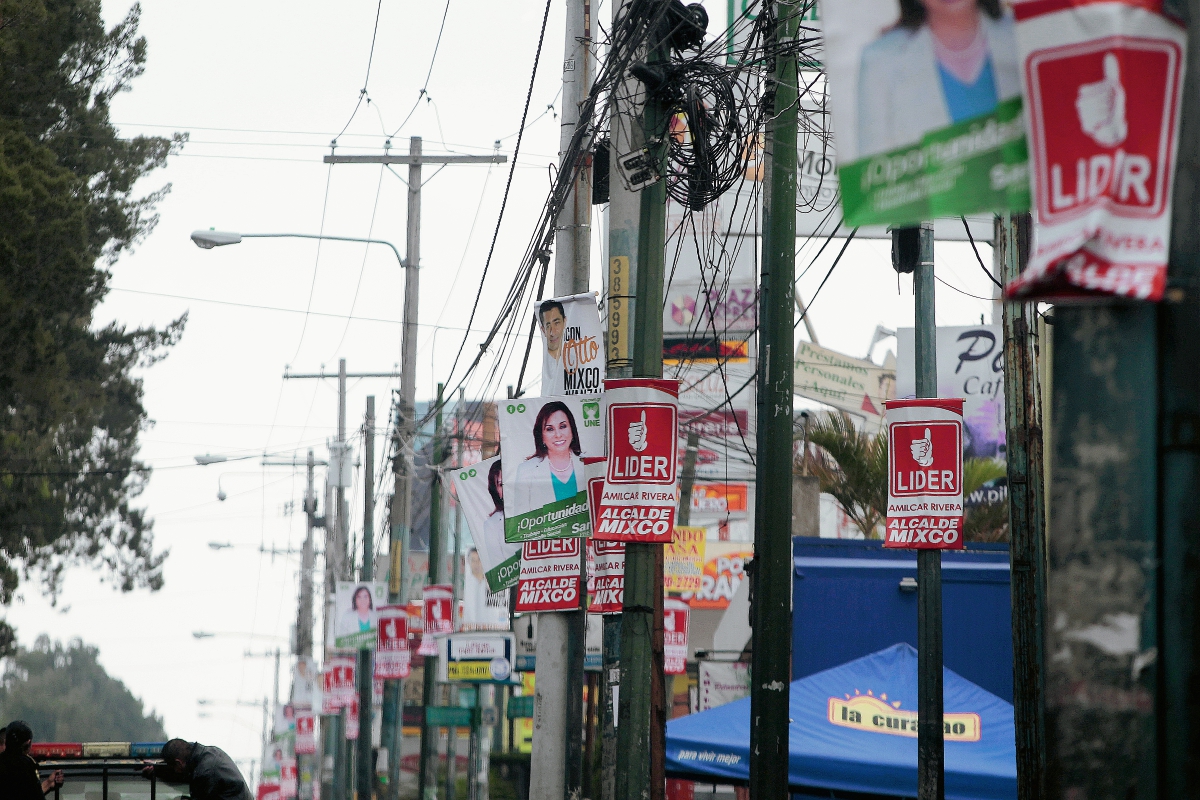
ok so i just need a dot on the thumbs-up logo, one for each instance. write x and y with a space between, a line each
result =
922 450
1101 106
637 434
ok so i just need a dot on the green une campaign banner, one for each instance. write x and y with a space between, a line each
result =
480 492
543 444
927 110
356 605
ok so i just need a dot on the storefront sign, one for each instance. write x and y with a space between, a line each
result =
639 499
925 457
476 657
683 560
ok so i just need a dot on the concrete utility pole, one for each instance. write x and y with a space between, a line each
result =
366 769
770 615
304 614
337 567
401 516
1027 510
556 765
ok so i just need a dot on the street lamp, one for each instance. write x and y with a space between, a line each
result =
207 240
241 634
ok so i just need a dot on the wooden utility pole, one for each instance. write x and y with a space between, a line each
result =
365 783
401 516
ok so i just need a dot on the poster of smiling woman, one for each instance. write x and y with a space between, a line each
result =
543 441
355 614
927 112
480 492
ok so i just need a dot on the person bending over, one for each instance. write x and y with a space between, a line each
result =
209 773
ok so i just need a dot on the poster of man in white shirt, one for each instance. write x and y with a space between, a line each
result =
573 345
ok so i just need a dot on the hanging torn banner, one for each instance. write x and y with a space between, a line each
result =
1102 83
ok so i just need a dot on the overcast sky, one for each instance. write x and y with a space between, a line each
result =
263 87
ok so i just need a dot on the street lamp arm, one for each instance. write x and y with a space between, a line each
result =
210 239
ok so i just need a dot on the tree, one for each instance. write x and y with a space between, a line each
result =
70 406
65 695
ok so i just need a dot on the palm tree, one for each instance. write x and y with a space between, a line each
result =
851 465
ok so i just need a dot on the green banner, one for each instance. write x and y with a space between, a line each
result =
504 576
562 519
979 165
363 640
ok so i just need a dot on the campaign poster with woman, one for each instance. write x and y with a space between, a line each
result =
926 101
355 618
543 441
480 492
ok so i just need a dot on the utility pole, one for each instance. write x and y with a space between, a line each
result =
427 769
641 732
366 770
304 614
912 251
771 612
1026 503
401 512
556 765
337 565
455 595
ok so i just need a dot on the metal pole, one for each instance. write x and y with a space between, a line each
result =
427 775
366 771
772 610
304 615
1026 503
455 575
341 764
641 731
930 738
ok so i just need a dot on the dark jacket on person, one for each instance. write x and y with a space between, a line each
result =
19 776
211 775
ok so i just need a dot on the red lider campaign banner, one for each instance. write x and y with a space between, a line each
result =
269 791
438 615
925 471
639 498
675 636
1102 83
288 778
608 581
352 719
393 659
337 684
550 575
306 740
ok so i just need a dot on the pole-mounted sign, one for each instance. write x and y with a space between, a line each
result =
925 472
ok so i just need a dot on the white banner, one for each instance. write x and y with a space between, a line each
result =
572 345
480 492
355 619
722 682
543 441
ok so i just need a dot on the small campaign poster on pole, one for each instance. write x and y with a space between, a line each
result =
392 657
306 739
355 621
926 109
925 470
304 681
437 616
480 492
638 502
675 636
543 444
608 577
550 575
572 345
352 719
1103 88
338 683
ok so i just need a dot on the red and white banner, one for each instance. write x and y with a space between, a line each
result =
550 575
639 500
438 616
306 738
925 471
337 684
608 577
392 656
352 719
269 791
287 778
675 636
1102 84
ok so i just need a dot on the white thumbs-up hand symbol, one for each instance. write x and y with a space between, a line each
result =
637 434
669 621
922 450
1101 106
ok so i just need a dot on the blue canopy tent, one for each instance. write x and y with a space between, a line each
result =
854 730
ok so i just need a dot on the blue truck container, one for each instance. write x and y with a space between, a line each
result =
853 597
